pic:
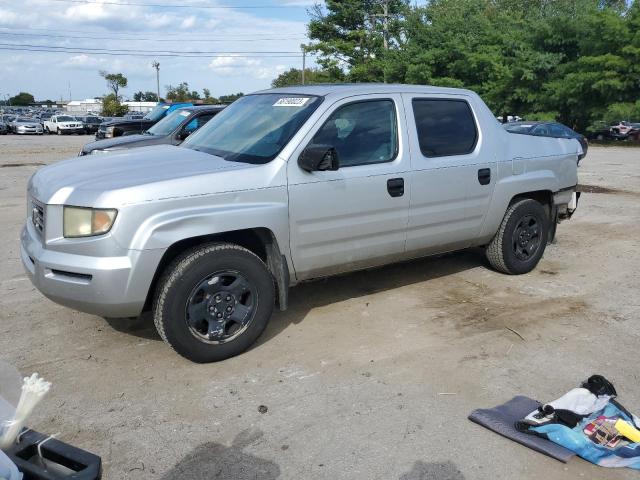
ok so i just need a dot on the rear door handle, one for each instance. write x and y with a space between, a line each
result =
395 187
484 176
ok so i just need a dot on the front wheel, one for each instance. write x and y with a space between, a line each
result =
58 131
521 240
213 302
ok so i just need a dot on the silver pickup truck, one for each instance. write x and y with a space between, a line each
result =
283 186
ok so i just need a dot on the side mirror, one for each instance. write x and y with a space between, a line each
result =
183 134
319 158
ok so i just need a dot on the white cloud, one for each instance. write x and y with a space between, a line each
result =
146 29
188 22
233 65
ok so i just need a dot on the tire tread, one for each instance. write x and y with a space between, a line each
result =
494 251
175 270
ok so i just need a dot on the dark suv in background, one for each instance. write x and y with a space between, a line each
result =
90 123
123 126
171 130
548 129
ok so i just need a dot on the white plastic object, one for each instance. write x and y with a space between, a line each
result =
10 389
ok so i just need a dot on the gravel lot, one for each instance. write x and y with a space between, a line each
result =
354 374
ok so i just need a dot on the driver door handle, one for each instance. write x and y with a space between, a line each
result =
395 187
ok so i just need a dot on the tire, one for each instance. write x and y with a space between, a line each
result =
514 249
58 131
195 281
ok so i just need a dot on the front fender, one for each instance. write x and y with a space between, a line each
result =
161 224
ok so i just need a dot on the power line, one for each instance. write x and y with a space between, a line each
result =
162 5
148 39
149 52
163 34
140 54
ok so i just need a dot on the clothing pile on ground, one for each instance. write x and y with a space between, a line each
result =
588 421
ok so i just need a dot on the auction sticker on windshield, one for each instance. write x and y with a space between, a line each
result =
291 102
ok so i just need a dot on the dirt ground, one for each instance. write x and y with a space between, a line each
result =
367 376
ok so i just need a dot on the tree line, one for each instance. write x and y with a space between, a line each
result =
575 61
113 107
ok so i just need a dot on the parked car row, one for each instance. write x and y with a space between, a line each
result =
622 130
48 123
171 130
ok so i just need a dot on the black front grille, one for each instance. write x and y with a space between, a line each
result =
37 215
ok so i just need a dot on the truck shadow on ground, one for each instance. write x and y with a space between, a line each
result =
433 471
216 461
307 296
319 293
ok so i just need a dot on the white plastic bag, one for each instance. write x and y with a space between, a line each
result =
10 390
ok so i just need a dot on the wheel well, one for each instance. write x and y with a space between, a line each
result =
257 240
545 197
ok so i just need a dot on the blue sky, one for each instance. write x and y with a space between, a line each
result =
76 29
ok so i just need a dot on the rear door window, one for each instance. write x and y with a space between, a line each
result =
445 127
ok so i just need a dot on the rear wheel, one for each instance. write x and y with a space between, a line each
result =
521 240
213 302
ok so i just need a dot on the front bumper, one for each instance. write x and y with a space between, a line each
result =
28 131
105 286
72 130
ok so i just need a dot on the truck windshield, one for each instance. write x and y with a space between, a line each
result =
156 113
255 128
169 123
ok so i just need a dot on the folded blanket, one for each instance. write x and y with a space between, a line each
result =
501 419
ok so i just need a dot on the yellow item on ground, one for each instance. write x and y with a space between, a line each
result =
627 430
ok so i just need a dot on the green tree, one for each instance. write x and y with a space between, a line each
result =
111 106
293 76
350 36
23 98
230 98
115 81
180 93
145 96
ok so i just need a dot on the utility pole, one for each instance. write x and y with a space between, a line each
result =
385 33
156 65
304 61
385 23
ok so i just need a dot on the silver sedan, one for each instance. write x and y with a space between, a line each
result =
26 126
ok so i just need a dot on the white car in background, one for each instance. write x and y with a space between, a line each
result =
62 124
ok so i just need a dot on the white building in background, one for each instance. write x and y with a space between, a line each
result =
143 107
87 105
95 105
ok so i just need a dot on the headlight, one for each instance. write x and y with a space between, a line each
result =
109 131
87 222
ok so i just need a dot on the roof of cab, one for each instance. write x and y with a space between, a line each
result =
347 89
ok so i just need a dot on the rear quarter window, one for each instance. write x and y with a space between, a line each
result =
445 127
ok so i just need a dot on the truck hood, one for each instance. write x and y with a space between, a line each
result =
125 141
132 176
